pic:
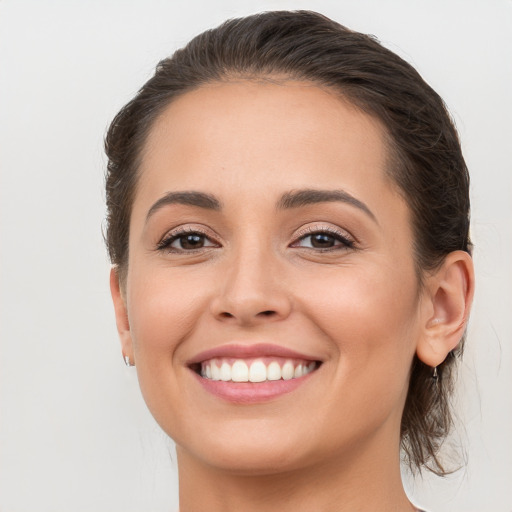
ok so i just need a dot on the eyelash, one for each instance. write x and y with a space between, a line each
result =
166 243
346 243
339 236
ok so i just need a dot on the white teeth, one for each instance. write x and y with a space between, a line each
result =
288 370
257 371
215 372
274 371
239 372
225 372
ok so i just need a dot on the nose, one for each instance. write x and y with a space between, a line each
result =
252 290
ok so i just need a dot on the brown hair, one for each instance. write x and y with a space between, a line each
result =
426 159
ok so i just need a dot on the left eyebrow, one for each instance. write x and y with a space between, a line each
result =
304 197
190 198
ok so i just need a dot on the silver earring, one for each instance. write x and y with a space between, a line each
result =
435 376
127 361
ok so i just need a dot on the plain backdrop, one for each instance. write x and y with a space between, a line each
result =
74 432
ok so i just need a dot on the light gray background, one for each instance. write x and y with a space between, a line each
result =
74 432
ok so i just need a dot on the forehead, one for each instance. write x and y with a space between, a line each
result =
245 122
260 137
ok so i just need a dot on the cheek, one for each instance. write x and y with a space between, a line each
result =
369 319
162 311
368 315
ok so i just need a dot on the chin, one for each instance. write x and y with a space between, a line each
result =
253 460
253 451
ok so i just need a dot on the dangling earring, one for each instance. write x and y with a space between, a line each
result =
435 377
127 361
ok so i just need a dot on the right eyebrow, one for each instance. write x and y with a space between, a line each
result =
303 197
191 198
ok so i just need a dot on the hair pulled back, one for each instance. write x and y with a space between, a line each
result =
426 161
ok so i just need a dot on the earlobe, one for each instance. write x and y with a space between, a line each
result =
451 290
121 313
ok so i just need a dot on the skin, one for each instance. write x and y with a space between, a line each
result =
333 443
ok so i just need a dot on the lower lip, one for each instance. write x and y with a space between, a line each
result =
252 392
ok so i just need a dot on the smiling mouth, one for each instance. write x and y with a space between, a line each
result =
254 370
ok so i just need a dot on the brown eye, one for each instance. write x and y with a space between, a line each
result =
324 240
191 241
186 241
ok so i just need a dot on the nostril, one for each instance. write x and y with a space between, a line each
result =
268 313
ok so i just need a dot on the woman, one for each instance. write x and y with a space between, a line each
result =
288 219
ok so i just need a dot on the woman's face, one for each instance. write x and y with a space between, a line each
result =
265 239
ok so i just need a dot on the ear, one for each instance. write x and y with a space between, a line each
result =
122 322
450 294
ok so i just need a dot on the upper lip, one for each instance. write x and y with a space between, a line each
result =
240 351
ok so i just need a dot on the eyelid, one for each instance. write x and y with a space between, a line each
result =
347 239
173 234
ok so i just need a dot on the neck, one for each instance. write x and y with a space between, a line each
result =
362 482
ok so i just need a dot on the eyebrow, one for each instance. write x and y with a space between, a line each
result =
304 197
289 200
192 198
